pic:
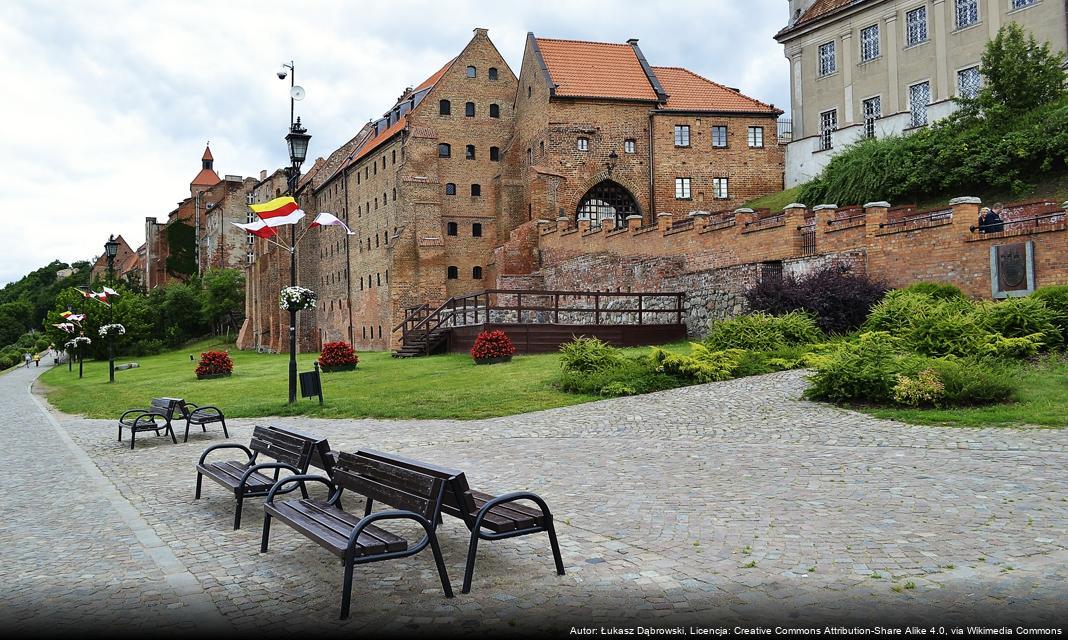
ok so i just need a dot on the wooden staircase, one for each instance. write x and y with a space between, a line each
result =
422 343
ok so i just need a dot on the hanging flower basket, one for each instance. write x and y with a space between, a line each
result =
214 364
492 347
338 356
112 330
77 343
296 299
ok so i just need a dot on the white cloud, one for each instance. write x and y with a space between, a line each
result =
109 104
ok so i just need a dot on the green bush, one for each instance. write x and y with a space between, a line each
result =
946 328
896 309
970 382
586 355
1020 317
702 365
937 290
925 389
1056 300
763 332
1000 347
864 370
628 376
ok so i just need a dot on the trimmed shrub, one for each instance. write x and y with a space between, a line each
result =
1056 299
836 297
865 370
492 344
702 365
214 363
947 328
762 332
589 354
1022 317
937 290
923 390
970 382
627 376
338 354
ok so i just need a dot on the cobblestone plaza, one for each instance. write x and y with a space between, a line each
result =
728 503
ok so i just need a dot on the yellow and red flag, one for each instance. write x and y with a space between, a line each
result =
278 212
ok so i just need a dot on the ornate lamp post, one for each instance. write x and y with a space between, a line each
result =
297 141
111 249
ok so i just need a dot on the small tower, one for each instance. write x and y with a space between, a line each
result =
207 178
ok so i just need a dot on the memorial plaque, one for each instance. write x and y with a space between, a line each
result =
1012 269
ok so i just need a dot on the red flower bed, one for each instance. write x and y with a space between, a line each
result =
214 363
338 354
492 344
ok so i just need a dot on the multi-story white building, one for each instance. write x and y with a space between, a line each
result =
872 68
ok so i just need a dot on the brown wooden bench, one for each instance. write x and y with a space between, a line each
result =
201 416
487 517
290 452
414 496
138 420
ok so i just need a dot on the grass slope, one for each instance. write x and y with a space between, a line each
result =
448 386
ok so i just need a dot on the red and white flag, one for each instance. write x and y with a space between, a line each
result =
258 228
330 220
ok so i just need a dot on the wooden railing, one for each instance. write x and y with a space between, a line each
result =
541 307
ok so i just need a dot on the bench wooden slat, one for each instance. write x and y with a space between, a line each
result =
334 537
383 493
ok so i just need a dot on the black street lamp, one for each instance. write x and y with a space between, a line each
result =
111 248
297 141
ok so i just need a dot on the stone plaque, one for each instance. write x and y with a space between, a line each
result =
1012 269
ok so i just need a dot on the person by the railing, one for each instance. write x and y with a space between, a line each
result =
990 221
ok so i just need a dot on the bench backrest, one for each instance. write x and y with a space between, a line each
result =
457 500
165 406
390 484
321 456
283 447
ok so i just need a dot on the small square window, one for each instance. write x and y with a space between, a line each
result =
495 111
451 229
444 150
495 154
469 110
628 146
583 144
450 189
471 72
719 136
469 152
476 190
682 135
491 73
476 230
682 188
756 137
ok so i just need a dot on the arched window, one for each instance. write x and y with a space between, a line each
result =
453 273
469 152
451 229
476 190
450 189
469 109
607 200
444 150
471 72
492 73
495 154
495 111
476 273
476 230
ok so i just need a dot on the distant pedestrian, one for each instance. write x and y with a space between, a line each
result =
36 359
990 221
26 358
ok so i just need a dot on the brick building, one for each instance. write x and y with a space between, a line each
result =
125 261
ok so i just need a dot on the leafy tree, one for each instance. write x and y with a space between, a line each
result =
181 240
224 297
182 314
1019 74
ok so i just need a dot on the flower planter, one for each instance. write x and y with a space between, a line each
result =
209 376
493 360
332 368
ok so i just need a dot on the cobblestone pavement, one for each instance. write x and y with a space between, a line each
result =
731 502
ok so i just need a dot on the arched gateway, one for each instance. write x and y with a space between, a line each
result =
607 199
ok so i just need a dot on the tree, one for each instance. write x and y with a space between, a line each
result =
224 297
1019 74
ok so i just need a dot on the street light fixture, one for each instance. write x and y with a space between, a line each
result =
111 249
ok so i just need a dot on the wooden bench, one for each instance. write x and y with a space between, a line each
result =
201 416
290 452
487 517
414 496
138 420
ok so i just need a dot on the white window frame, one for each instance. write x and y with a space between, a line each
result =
718 192
870 118
629 146
973 13
913 120
715 139
682 135
826 131
582 144
827 58
979 80
1017 5
682 189
870 49
753 141
912 39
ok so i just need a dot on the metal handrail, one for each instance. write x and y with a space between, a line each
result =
1035 219
932 215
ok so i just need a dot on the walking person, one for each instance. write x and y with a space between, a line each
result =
26 358
37 359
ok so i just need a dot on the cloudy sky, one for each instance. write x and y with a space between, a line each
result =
108 104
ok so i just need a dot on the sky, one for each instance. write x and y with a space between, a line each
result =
109 104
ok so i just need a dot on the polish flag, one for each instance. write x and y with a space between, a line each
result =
330 220
258 228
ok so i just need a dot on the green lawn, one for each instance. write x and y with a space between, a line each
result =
447 386
1043 401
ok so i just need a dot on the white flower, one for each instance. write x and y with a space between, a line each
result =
112 329
296 299
78 341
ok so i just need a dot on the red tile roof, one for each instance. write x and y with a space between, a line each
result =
819 9
432 80
380 139
207 154
206 178
595 69
688 91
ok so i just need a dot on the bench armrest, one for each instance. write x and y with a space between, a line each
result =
207 408
394 514
225 445
512 497
302 479
267 465
137 411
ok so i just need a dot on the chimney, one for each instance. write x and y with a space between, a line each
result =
632 41
263 174
479 31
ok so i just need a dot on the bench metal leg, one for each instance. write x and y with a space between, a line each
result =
346 587
225 434
442 572
186 439
237 514
367 508
551 530
469 570
133 434
120 433
266 533
171 431
200 479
